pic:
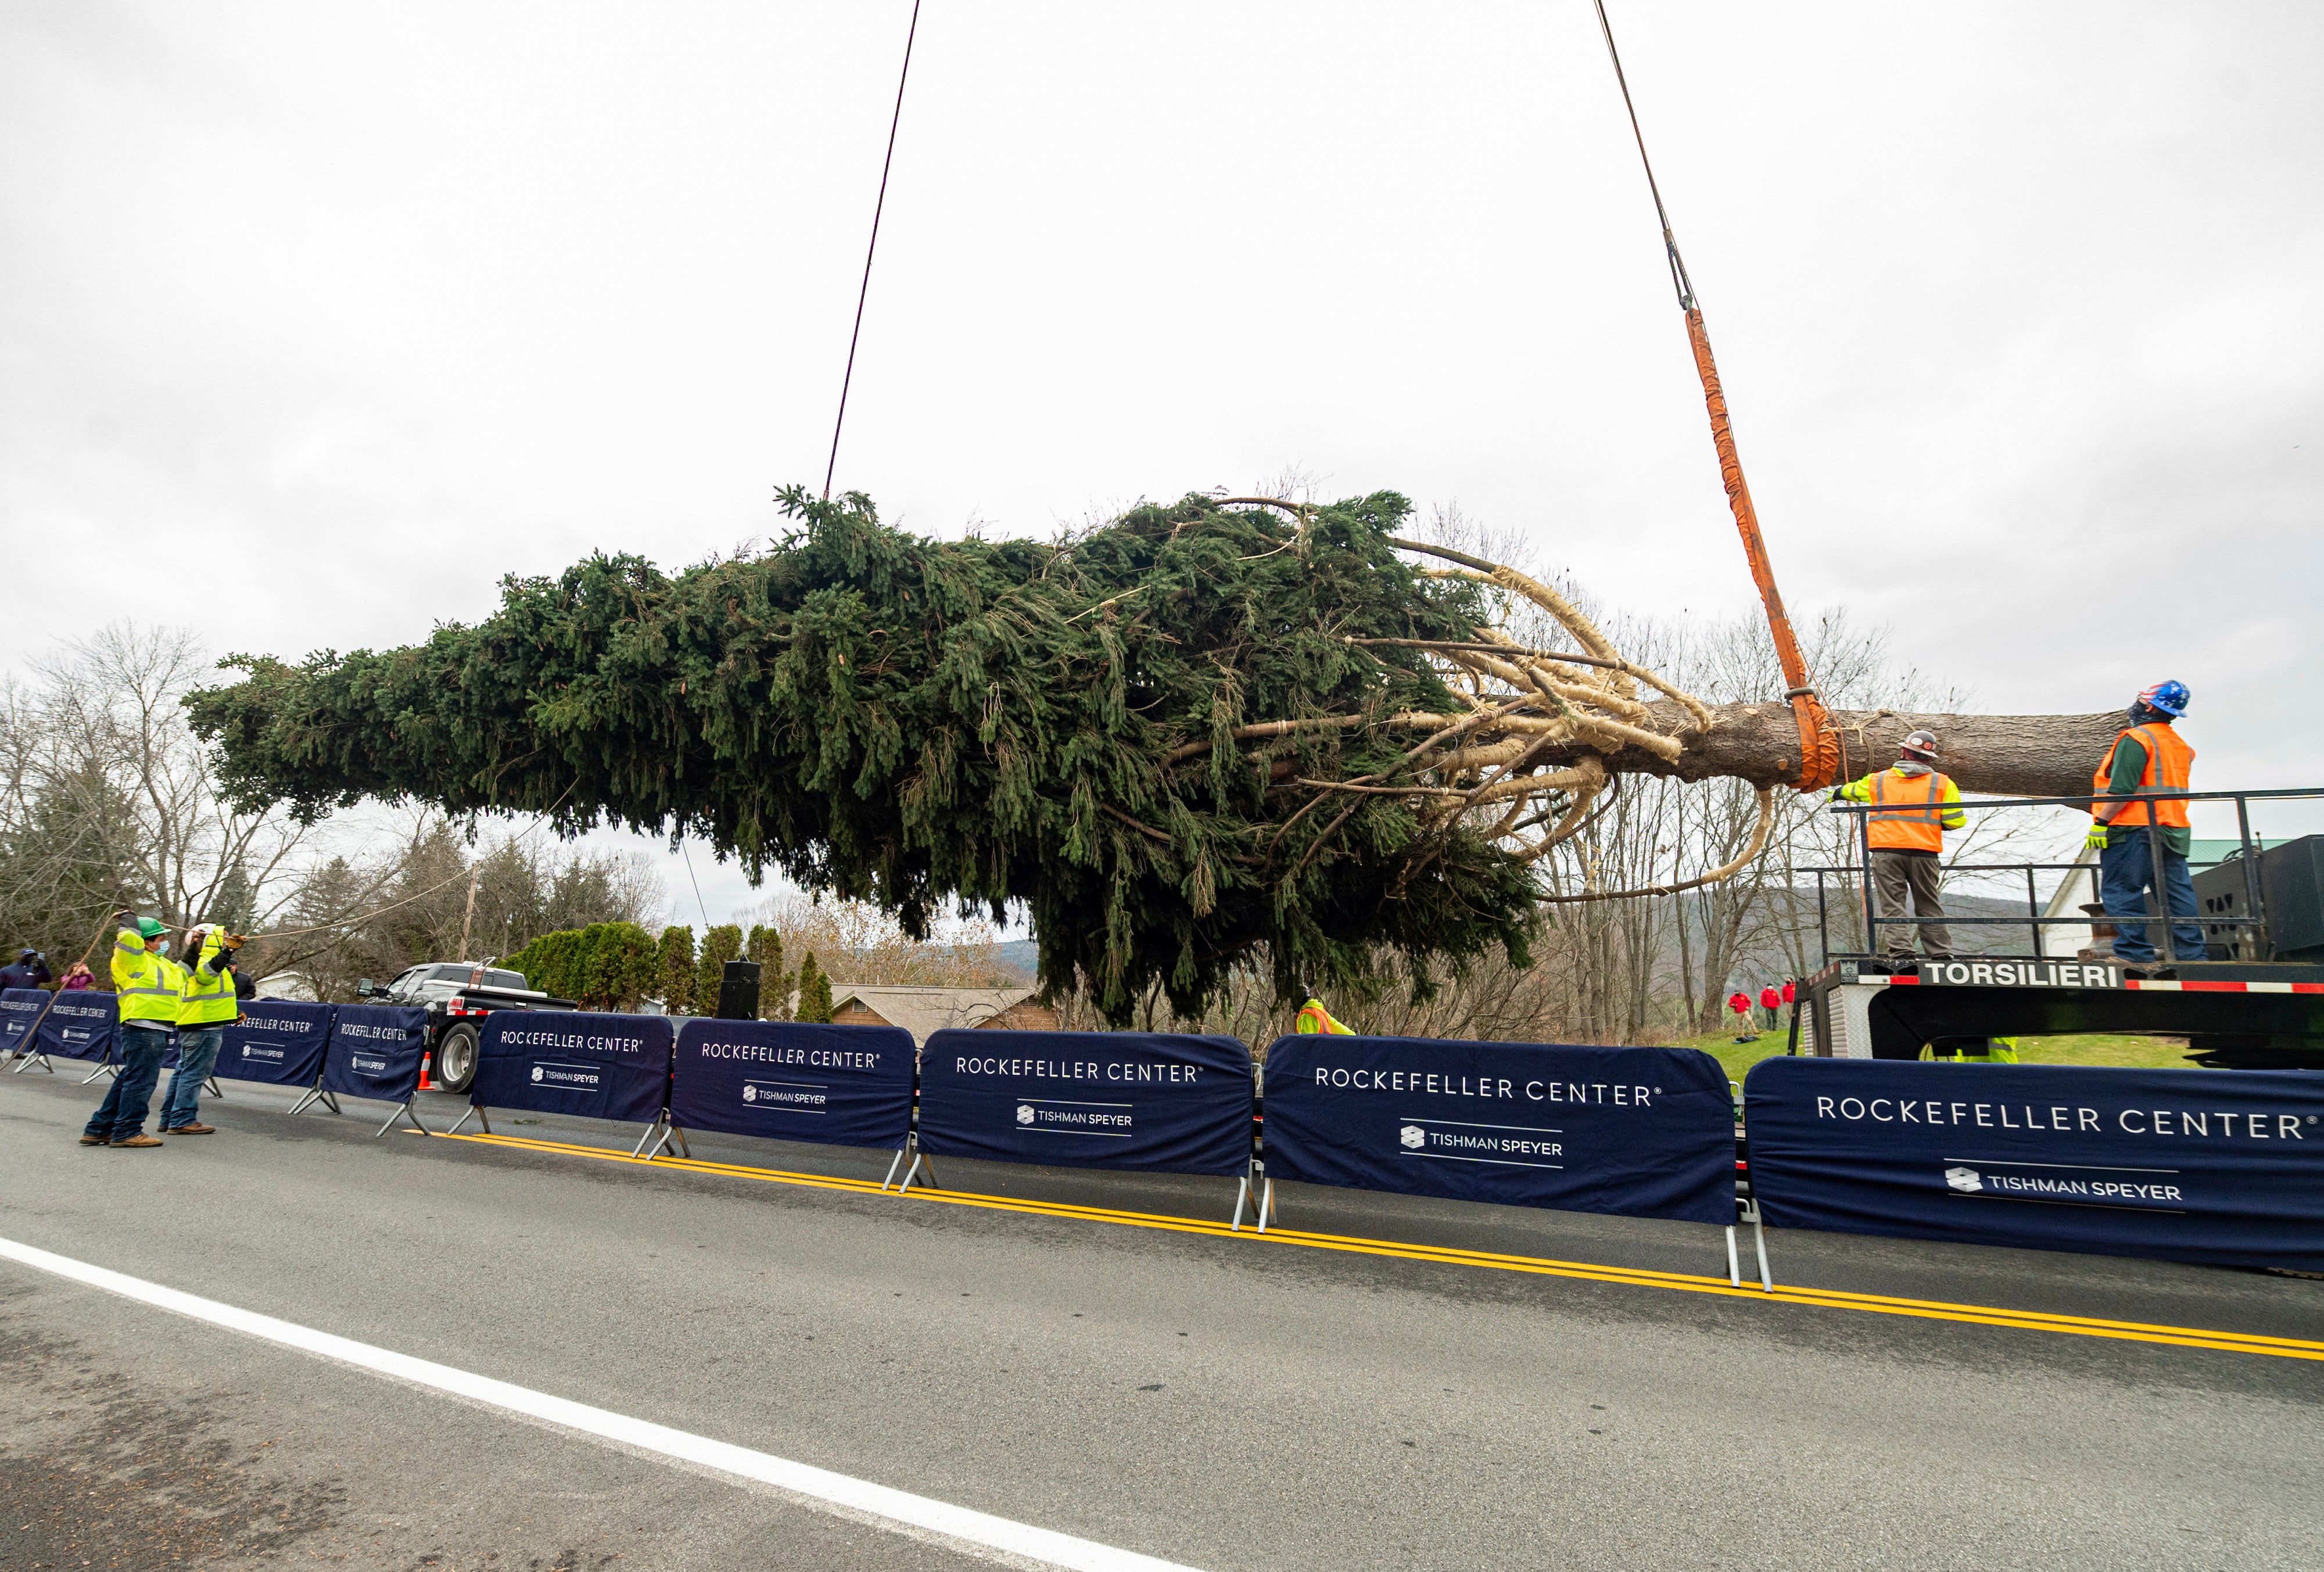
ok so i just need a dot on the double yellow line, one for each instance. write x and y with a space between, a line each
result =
1443 1254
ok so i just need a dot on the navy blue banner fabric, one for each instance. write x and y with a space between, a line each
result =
557 1061
19 1008
374 1051
1637 1131
2219 1166
81 1024
277 1042
1150 1100
843 1086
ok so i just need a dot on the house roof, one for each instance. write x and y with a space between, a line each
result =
922 1011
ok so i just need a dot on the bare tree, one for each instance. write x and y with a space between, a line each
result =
856 943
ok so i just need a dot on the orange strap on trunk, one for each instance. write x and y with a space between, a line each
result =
1819 738
1820 750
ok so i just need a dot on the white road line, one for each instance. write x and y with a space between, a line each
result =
899 1506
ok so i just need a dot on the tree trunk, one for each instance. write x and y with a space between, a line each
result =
2029 756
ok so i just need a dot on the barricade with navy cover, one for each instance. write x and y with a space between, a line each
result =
81 1025
791 1081
1637 1131
19 1008
598 1066
2219 1166
375 1051
279 1042
1153 1100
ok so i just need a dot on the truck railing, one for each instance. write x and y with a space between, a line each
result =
2157 913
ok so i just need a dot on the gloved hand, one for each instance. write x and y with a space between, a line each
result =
2096 838
236 940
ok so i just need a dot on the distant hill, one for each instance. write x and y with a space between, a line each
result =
1021 956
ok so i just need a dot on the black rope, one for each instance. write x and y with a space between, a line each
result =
865 292
1679 280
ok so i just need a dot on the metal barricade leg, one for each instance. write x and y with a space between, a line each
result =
1759 1230
1242 1199
918 1165
663 1136
1265 1205
894 1164
471 1109
1734 1267
104 1067
402 1111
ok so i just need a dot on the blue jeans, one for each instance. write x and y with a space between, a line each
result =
121 1113
197 1050
2126 875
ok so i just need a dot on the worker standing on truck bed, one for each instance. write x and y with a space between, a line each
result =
2148 755
1912 806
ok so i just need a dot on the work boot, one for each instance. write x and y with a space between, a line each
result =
2101 953
95 1141
140 1139
192 1130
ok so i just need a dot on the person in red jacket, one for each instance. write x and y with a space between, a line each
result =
1770 1000
1740 1003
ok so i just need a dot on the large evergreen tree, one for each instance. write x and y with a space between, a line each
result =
1197 732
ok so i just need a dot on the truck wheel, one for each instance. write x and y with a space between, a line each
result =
455 1058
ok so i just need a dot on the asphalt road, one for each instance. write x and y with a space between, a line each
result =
1217 1402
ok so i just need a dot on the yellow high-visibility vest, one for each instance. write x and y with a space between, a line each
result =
2000 1050
1314 1018
150 987
208 999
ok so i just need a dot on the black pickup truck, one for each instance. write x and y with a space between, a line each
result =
457 995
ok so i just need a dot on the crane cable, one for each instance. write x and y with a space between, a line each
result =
865 290
1820 753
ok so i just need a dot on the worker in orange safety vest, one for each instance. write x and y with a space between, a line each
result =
2147 755
1912 804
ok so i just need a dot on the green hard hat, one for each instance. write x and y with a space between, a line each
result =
147 927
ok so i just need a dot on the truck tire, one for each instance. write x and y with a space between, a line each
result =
455 1058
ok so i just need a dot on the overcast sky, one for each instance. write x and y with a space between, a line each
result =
2016 306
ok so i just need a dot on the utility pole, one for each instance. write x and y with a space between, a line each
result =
475 873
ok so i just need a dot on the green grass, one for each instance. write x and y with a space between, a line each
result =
2112 1048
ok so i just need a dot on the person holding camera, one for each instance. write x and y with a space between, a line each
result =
31 971
207 1006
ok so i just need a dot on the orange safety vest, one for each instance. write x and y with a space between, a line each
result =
1916 823
2169 766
